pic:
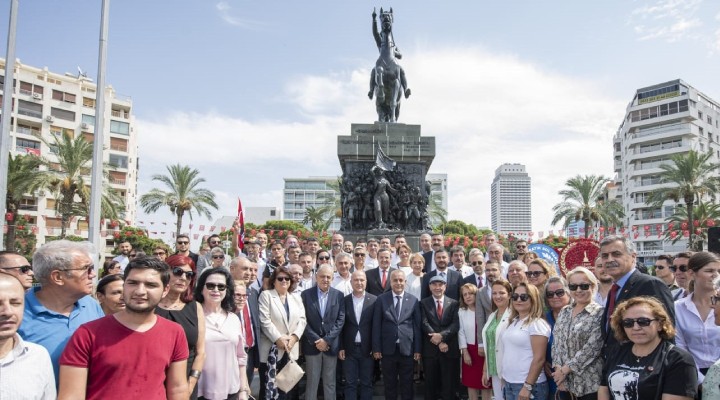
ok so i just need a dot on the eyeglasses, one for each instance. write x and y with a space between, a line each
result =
520 297
324 258
283 279
476 263
534 274
159 253
88 268
218 257
242 296
520 247
682 268
215 242
359 254
583 286
212 286
177 271
182 242
23 269
557 293
642 322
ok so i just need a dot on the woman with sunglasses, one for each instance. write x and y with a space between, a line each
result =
695 314
223 376
282 319
496 323
538 272
109 293
556 297
523 345
111 267
577 340
322 257
179 306
646 365
217 257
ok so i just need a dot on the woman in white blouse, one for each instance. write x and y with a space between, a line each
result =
472 362
413 280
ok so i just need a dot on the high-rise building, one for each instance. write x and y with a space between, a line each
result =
301 193
661 121
510 200
48 105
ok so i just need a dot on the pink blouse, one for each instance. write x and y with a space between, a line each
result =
224 355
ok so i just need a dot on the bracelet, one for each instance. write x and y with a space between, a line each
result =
195 374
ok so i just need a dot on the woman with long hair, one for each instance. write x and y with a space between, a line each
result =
179 306
524 344
491 333
556 296
472 362
223 376
111 267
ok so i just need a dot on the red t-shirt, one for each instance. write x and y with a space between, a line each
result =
123 363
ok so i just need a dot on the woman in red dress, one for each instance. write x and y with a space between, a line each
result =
472 363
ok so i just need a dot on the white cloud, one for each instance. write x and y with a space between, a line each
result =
669 20
484 109
228 15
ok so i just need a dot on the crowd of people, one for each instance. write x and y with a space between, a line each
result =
496 325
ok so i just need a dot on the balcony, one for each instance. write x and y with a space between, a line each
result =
28 131
117 181
28 207
122 148
27 150
120 114
30 113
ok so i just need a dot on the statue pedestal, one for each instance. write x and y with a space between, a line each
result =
408 190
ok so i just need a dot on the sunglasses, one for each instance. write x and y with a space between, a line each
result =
177 271
476 263
520 297
283 279
324 258
218 257
642 322
219 286
159 253
557 293
182 242
87 268
584 286
23 269
534 274
520 247
682 268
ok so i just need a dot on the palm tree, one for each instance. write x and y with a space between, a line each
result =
436 212
584 200
183 194
24 176
69 185
317 218
703 212
688 177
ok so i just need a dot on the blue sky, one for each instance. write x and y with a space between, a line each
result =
250 92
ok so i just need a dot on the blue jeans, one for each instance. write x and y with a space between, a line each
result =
512 390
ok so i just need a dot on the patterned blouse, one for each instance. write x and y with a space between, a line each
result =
578 342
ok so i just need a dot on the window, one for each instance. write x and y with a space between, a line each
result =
62 114
122 128
27 146
701 131
118 161
62 96
118 144
88 102
700 115
709 120
30 109
88 119
117 177
30 89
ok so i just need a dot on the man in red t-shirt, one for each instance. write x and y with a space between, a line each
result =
133 353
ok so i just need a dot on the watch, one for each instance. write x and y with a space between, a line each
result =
528 386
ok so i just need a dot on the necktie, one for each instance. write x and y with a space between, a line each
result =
397 305
248 328
611 300
479 282
439 310
384 278
442 274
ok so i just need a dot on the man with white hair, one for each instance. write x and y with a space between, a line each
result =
495 253
342 281
64 301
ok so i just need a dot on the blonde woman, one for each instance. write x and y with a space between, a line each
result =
492 331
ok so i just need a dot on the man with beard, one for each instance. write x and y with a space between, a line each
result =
452 278
483 298
101 359
605 282
124 258
436 245
336 245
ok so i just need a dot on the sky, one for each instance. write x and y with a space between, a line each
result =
249 92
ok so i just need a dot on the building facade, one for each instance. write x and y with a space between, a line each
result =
48 105
510 200
661 121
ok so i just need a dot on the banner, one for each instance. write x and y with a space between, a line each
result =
382 161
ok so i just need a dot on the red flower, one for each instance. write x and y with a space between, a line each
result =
128 233
710 223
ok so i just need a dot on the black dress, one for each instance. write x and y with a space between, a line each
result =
188 319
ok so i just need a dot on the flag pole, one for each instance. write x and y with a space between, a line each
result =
8 90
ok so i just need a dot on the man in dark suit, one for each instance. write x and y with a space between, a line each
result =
325 314
618 256
356 343
378 279
453 278
397 337
249 312
483 298
436 241
441 354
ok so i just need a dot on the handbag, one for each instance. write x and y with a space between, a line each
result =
289 376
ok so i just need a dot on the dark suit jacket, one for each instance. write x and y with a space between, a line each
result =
638 284
452 290
389 329
428 260
351 327
483 309
326 327
374 281
448 326
252 301
471 279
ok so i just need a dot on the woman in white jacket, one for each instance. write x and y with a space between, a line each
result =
491 332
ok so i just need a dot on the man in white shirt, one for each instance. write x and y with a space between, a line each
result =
371 258
308 277
297 272
124 258
495 253
27 372
342 280
457 255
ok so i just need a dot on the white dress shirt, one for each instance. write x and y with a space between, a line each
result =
358 303
700 338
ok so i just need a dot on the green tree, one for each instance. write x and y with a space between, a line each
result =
69 185
317 218
183 194
688 177
584 199
459 228
24 177
436 212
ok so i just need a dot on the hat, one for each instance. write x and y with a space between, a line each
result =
437 278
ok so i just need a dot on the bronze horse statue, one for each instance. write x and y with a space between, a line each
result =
387 79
